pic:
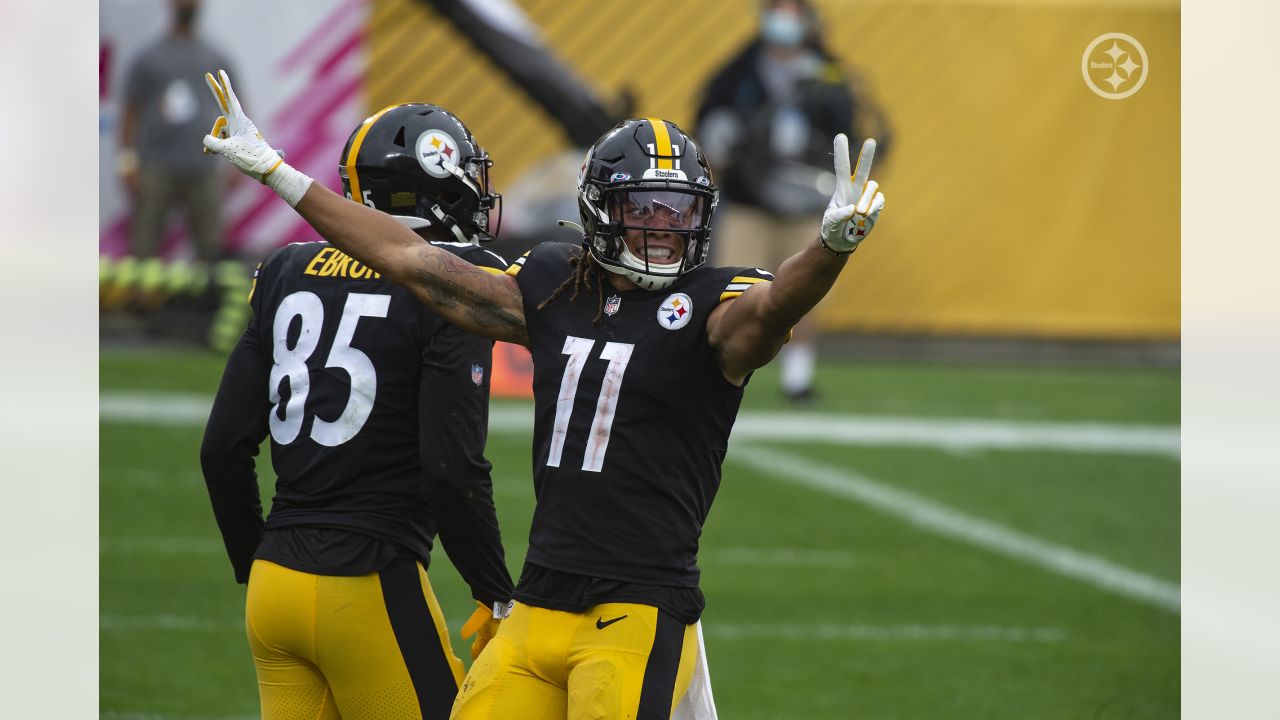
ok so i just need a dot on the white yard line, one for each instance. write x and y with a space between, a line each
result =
154 408
952 434
940 519
960 434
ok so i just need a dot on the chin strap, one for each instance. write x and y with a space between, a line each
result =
572 224
448 222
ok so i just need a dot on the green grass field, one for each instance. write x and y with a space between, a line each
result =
882 579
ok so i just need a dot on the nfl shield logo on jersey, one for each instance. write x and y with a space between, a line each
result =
612 304
675 312
477 373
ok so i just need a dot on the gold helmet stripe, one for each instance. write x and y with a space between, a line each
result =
350 162
661 143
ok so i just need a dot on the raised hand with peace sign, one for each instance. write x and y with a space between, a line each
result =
235 137
856 203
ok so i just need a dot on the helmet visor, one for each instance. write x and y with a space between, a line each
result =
657 209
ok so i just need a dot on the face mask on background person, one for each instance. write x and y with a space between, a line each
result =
186 15
782 28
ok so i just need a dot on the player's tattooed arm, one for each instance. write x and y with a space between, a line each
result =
491 303
476 301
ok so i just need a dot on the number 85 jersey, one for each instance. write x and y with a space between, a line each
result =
632 419
376 408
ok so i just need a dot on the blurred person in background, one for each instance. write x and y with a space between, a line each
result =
377 409
626 462
766 120
165 105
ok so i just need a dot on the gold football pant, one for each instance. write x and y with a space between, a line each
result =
616 661
370 646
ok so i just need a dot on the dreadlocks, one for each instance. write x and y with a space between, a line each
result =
584 273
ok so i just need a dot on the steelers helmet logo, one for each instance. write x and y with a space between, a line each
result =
675 312
437 153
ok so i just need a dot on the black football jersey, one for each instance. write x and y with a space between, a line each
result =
632 420
344 369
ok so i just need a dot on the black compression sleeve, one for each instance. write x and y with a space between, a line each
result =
237 425
453 421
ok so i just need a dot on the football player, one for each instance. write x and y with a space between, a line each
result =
641 352
377 409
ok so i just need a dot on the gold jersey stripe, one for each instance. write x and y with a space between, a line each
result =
514 268
254 285
661 143
745 279
492 270
355 152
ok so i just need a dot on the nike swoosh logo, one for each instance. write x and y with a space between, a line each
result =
601 623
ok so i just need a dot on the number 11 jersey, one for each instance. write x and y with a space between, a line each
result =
632 419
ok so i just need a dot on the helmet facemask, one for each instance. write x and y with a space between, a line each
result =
470 198
651 233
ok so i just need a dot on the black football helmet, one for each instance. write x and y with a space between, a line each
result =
420 164
648 179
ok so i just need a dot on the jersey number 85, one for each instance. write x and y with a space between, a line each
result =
291 366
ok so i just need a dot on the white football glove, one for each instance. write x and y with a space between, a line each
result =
235 137
845 224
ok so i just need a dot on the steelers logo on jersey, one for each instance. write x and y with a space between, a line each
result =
437 153
675 312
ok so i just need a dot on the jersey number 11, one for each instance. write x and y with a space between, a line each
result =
579 349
